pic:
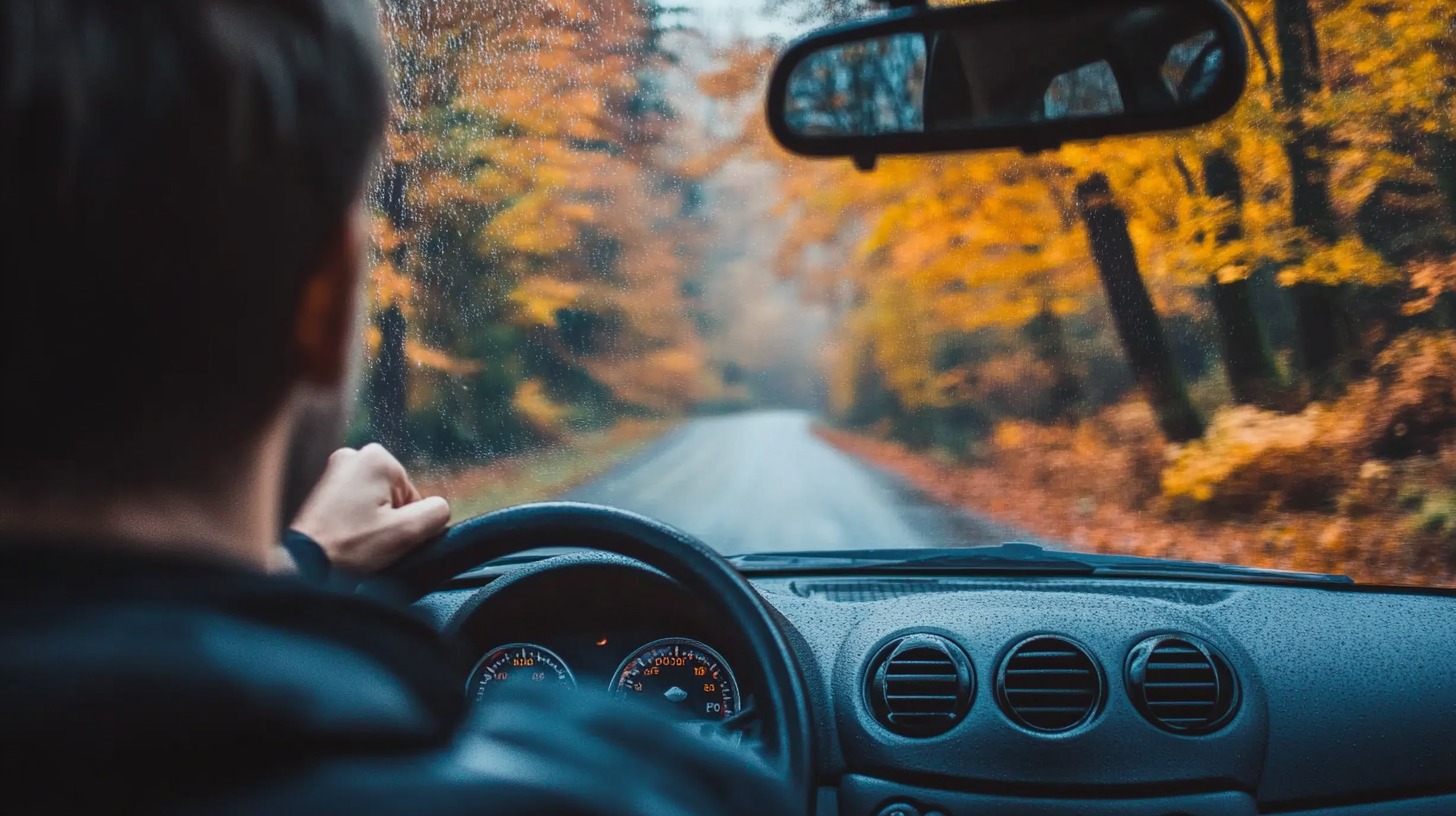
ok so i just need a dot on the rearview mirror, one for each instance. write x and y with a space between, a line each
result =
1012 73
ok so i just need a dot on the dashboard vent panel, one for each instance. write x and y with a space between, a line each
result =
1181 684
920 685
1050 684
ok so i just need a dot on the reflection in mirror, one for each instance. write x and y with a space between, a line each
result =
1192 68
978 71
860 89
1087 91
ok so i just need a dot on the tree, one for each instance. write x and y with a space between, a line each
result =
1137 321
1248 359
539 252
389 382
1323 324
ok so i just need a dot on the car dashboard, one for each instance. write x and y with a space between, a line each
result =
936 694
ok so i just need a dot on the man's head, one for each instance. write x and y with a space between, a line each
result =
179 186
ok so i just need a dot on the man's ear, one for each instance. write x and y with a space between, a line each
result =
323 331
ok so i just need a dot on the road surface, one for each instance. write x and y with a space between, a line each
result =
763 481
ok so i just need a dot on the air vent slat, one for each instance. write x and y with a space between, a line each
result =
910 661
919 685
921 696
1181 684
1049 684
1165 695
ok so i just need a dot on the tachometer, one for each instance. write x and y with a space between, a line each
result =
682 676
519 664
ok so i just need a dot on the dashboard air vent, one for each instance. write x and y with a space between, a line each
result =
1049 684
1181 684
920 685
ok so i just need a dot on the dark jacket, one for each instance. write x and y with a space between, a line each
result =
145 684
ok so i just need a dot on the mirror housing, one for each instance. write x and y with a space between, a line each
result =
1029 74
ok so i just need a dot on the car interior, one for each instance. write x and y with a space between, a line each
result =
1009 682
1016 680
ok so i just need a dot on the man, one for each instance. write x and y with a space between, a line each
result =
182 239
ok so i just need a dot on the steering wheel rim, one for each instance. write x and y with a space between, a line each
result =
786 732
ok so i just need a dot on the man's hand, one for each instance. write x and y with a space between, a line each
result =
366 513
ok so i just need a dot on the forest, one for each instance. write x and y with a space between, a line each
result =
534 245
1234 343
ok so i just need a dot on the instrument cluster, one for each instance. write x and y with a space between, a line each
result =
681 676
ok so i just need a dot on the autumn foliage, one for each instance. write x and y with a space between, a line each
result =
1290 400
534 242
1298 255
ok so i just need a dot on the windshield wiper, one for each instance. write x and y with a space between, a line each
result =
1013 557
1021 558
1152 567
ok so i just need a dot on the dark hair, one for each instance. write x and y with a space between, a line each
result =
170 173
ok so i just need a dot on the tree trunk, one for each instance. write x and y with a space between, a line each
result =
1320 322
1138 326
391 195
1248 359
1442 148
389 382
388 378
1047 337
1319 316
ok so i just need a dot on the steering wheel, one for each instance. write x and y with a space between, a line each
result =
784 720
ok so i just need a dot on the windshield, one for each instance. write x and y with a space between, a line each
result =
597 278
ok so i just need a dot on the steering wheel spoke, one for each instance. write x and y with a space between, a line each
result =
742 730
746 724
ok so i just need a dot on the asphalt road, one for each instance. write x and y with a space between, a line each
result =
763 481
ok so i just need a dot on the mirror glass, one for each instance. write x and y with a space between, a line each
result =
975 71
860 89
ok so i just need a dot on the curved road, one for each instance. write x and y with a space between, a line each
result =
763 481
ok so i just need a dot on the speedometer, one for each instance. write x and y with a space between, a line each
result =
516 665
679 675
